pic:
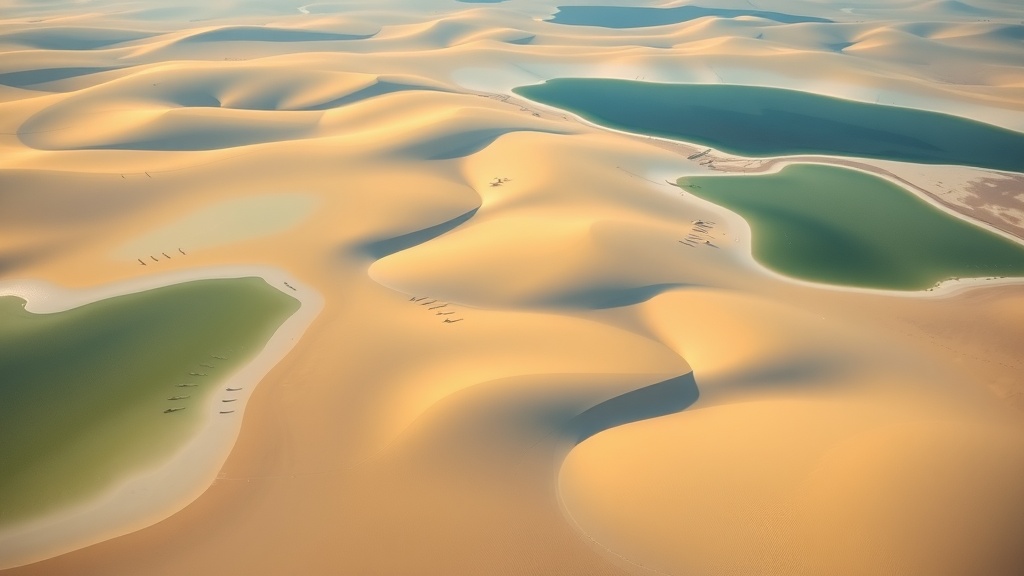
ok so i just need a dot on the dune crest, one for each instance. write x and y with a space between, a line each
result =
527 348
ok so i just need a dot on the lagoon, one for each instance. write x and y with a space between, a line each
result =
842 226
756 121
85 390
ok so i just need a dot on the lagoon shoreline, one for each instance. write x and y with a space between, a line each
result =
145 498
717 161
490 271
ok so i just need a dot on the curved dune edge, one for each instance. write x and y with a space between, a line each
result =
151 496
739 243
409 446
740 228
878 168
728 163
765 471
749 500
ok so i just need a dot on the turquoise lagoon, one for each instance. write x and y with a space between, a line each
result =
758 122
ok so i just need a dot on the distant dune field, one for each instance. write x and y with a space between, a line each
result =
520 344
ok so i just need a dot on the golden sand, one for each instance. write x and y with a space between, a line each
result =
535 376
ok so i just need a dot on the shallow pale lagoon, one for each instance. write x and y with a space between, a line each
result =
757 121
85 390
842 226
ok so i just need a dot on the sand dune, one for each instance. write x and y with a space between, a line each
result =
265 34
781 377
520 365
179 110
68 38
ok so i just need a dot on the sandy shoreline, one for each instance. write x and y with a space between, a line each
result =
883 169
420 424
149 497
713 160
775 164
739 227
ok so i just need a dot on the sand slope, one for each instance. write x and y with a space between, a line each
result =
534 377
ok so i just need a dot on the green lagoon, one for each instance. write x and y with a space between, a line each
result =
84 392
757 121
842 226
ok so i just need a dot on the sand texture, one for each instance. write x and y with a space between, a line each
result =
506 360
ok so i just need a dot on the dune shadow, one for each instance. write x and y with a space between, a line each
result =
1011 33
643 16
838 46
794 373
72 38
24 78
13 259
197 140
962 8
262 34
603 298
379 88
194 97
525 41
378 249
451 146
667 397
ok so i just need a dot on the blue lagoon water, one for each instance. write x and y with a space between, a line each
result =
757 121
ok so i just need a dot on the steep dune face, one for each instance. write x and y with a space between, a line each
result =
60 38
798 485
818 454
535 354
205 107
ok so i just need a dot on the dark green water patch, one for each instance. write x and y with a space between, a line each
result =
83 393
842 226
758 121
643 16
